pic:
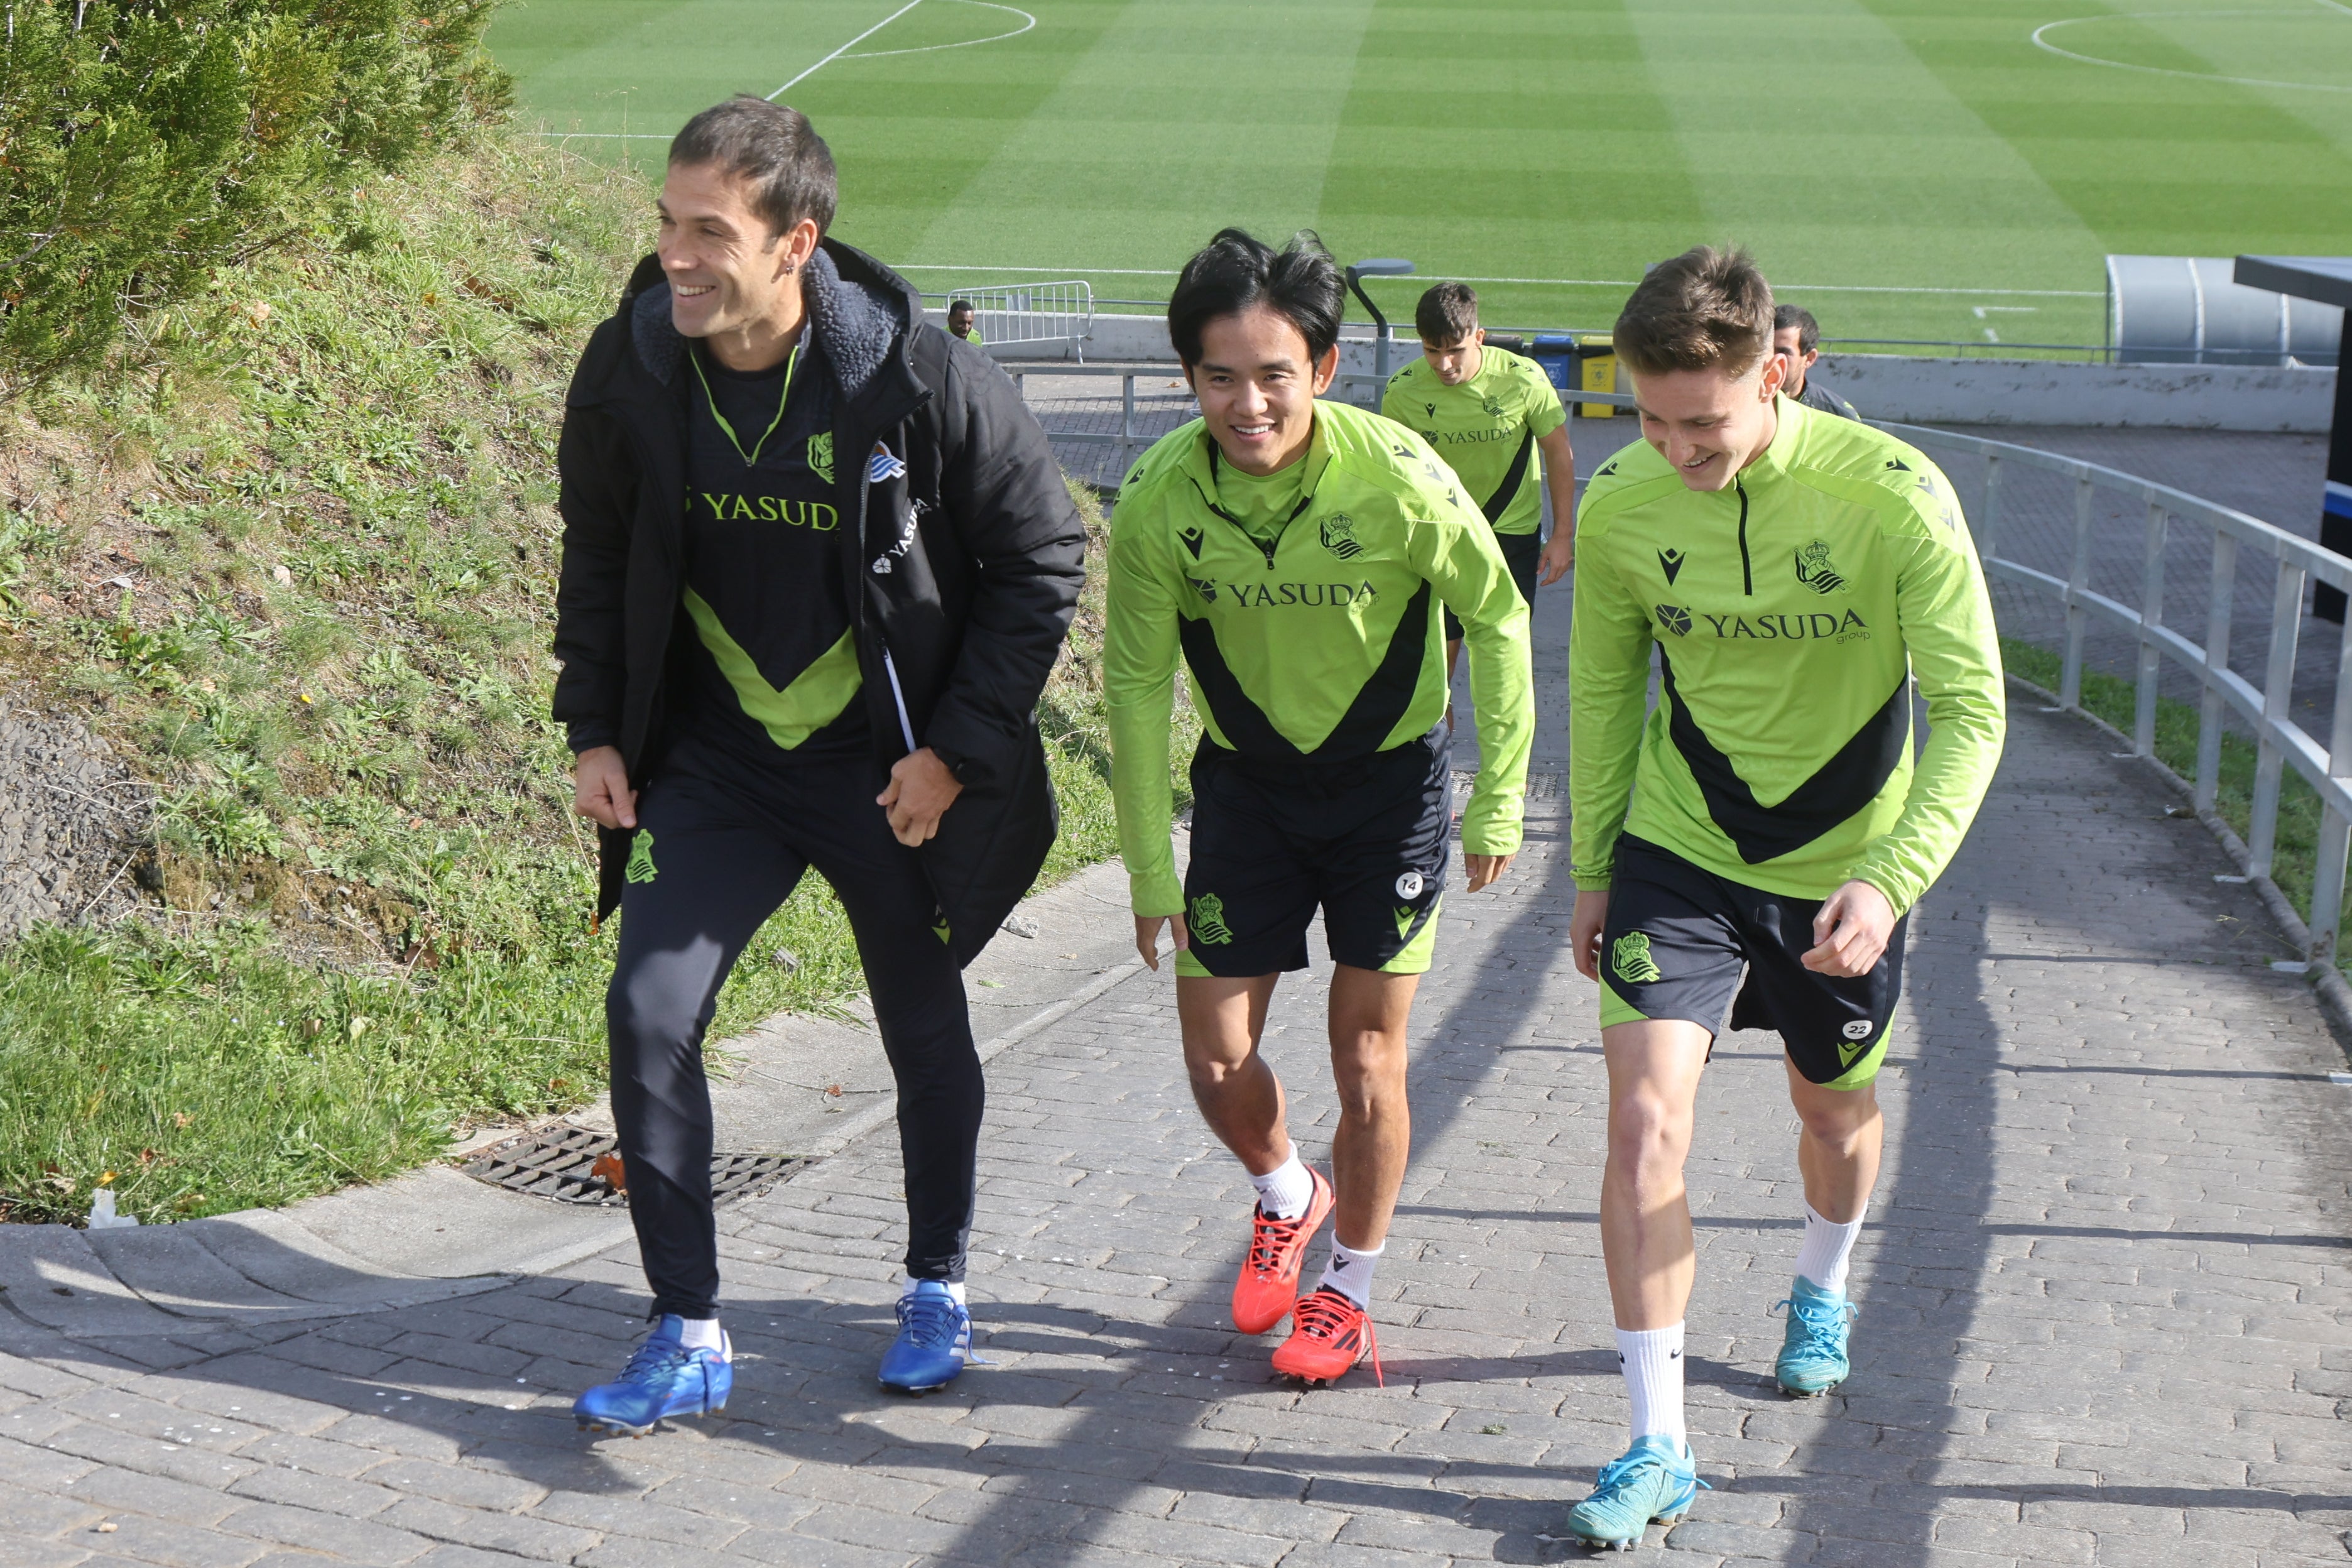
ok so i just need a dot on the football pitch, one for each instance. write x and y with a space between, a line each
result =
1932 169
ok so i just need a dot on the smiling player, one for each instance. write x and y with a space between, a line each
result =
1294 555
1794 572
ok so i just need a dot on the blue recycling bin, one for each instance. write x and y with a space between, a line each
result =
1555 352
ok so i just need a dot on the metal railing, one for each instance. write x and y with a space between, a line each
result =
1131 437
2235 539
1031 314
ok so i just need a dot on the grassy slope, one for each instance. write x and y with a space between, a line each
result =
1893 143
331 489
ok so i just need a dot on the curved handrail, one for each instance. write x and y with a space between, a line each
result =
2280 742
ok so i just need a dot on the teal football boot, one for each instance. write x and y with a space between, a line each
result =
1655 1482
1812 1349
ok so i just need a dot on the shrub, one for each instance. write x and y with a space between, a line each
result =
146 144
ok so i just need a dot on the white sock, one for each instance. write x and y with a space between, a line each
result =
955 1289
1652 1360
1287 1190
703 1334
1828 1248
1350 1271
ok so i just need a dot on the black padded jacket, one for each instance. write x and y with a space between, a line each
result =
966 574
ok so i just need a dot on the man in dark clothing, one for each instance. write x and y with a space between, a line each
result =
1796 339
817 561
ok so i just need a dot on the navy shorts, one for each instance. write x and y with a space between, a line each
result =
1679 938
1366 841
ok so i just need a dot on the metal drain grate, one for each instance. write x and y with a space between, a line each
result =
560 1164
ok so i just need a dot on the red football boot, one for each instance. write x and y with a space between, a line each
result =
1268 1285
1329 1334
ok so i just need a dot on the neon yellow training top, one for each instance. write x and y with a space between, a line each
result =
1486 429
1305 606
1790 612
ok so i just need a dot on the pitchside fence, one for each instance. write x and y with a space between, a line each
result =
2175 594
1030 315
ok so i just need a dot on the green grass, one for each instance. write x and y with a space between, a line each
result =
1877 144
367 921
2296 851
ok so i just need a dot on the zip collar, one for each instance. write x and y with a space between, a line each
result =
1787 448
1201 463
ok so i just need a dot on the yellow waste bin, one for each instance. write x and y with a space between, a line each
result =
1596 371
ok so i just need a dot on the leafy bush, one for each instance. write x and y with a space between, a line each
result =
146 144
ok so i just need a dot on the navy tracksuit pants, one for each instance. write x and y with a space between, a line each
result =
720 848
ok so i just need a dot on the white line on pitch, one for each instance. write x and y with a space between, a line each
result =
845 48
1027 22
1543 282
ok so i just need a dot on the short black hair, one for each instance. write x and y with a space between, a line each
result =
771 145
1809 330
1447 314
955 305
1233 272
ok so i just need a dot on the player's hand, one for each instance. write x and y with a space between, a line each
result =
1482 869
599 788
1852 931
1558 555
1147 935
921 790
1584 928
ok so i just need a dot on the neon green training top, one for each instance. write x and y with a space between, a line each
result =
1486 429
1790 612
1305 606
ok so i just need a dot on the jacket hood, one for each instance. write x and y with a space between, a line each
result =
860 309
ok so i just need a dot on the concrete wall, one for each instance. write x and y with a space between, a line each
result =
2060 391
2295 399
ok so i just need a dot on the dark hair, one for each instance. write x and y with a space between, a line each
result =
1809 330
771 145
1447 314
1234 272
955 305
1705 309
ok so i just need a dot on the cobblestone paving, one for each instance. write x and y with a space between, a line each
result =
2103 1297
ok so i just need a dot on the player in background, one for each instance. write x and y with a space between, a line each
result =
1794 573
1496 419
1293 554
959 322
1796 339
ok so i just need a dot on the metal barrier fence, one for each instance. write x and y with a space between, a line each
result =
1032 314
2086 577
2083 557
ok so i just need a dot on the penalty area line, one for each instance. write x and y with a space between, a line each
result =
845 48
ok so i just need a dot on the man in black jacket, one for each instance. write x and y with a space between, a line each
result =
817 561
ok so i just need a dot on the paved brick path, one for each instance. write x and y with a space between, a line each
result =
2104 1297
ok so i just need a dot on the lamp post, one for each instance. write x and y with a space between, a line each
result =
1388 267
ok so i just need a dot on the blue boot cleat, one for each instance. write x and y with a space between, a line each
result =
934 1340
1812 1349
1655 1482
663 1379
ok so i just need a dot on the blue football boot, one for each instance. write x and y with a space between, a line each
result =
934 1340
1812 1349
1654 1482
663 1379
